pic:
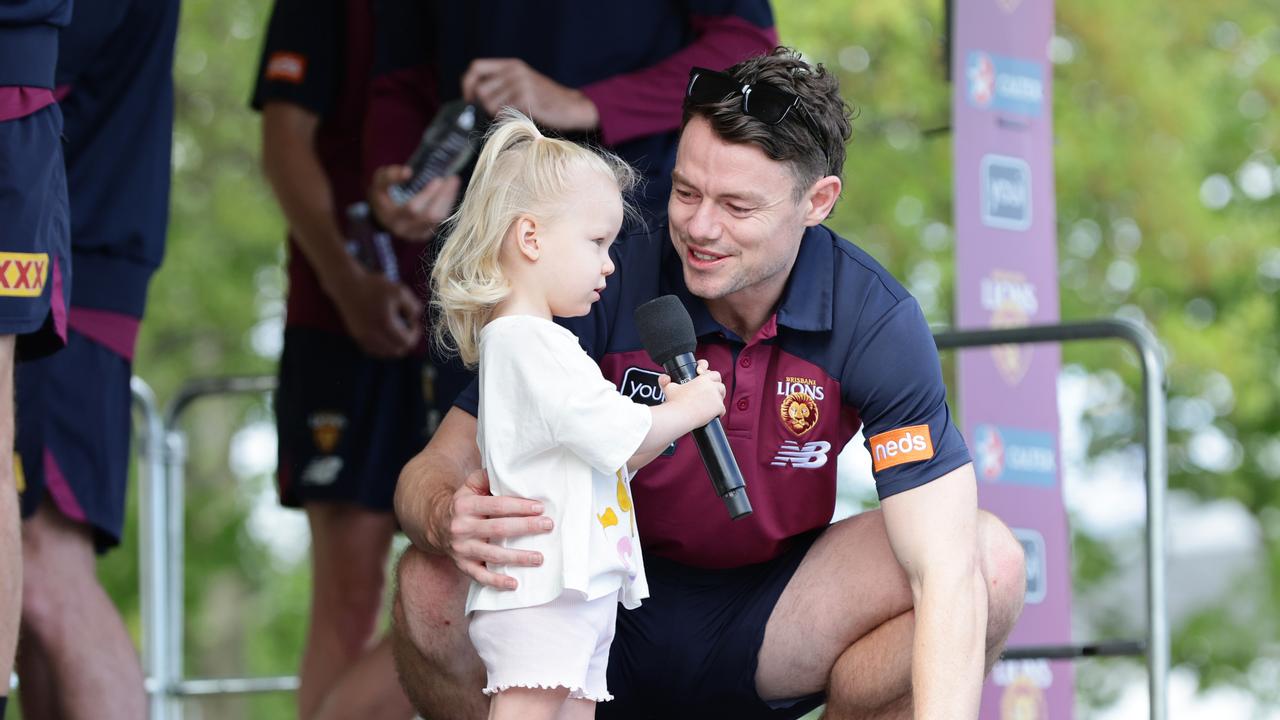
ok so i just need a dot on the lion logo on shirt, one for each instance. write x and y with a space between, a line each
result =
799 413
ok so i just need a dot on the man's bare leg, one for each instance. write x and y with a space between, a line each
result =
862 654
368 689
343 675
10 535
90 658
438 667
38 693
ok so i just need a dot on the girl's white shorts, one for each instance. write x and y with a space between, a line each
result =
562 644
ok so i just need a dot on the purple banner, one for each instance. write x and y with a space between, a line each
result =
1006 276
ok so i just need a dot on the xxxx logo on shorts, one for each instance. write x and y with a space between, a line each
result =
23 274
19 477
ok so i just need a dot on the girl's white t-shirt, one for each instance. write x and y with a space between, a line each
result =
551 428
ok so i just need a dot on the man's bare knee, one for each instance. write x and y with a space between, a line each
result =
1004 567
432 590
429 609
58 565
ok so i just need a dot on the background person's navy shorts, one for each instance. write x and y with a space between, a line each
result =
347 423
690 650
73 427
35 227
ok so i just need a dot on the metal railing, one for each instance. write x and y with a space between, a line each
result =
1156 644
164 449
154 566
162 493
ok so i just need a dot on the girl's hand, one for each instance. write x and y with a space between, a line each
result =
702 397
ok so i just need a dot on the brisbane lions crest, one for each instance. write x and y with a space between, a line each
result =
799 408
799 413
326 429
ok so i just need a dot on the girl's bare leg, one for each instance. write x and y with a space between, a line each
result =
527 704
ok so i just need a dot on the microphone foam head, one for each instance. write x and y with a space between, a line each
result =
666 330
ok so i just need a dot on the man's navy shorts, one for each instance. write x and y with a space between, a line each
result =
348 422
73 427
35 226
690 650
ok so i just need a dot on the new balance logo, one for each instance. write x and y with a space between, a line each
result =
812 455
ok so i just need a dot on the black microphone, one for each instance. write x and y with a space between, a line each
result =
667 334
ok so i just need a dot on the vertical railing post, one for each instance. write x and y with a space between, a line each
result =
153 567
1156 432
175 534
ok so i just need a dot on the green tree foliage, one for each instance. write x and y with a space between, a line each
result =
1161 109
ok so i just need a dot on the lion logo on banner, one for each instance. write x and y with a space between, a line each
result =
1023 700
1012 302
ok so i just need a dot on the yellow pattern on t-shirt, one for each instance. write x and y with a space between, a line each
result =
608 518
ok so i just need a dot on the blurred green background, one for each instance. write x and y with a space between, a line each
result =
1168 213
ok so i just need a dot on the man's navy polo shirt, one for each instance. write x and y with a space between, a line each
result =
848 348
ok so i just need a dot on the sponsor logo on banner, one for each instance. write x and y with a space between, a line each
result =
1004 84
1005 190
641 386
1024 683
811 455
1011 300
1037 564
1014 456
288 67
1022 700
23 274
799 407
1008 5
903 445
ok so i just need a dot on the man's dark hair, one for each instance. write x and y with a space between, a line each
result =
811 153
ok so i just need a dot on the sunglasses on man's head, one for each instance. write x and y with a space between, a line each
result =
766 103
